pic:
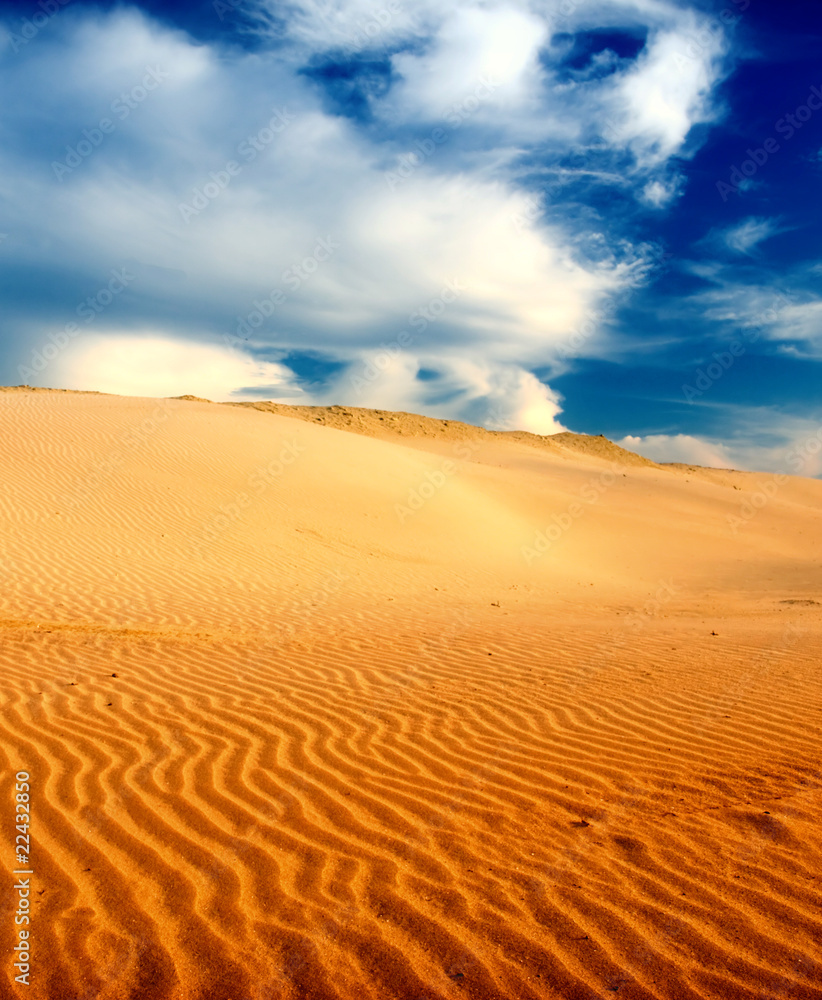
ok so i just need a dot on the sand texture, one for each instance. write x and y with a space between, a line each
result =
319 714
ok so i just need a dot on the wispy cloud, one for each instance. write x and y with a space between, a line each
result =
746 236
801 322
787 311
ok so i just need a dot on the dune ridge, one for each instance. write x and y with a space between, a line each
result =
383 423
314 747
390 423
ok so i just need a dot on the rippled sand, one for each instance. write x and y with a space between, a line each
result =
294 734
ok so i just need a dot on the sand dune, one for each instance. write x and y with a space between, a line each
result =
416 712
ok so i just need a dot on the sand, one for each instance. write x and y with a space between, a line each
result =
316 708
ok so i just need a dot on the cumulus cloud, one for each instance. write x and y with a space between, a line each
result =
150 364
247 210
519 401
498 46
497 395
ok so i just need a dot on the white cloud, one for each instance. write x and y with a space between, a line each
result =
668 91
757 311
517 400
397 244
746 236
526 278
660 193
496 395
474 45
150 364
680 448
757 440
350 24
801 321
442 53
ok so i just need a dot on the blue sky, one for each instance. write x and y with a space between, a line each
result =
599 215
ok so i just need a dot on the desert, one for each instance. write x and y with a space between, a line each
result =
335 703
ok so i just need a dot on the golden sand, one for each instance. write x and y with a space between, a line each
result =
416 712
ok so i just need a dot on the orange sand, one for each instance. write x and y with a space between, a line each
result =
308 715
